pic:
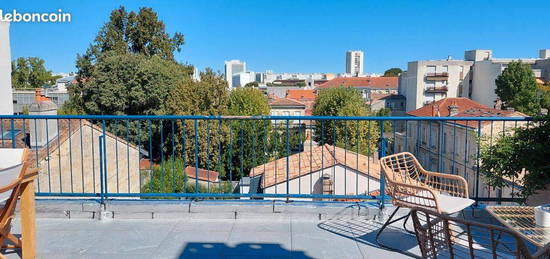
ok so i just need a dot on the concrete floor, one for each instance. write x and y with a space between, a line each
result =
210 230
180 229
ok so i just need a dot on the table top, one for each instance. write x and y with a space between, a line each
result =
522 220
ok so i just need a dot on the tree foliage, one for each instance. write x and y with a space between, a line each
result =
517 88
30 72
523 152
395 71
344 101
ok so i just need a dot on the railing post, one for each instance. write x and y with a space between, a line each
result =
382 153
100 147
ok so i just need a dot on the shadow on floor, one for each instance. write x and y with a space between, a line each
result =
364 229
222 250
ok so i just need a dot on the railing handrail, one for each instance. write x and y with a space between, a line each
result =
304 118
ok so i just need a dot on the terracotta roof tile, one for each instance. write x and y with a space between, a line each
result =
371 82
313 160
203 174
300 95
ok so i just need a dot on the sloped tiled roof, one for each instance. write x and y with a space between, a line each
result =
466 108
203 174
313 160
275 101
298 94
370 82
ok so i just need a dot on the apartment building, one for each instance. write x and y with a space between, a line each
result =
355 62
429 81
452 147
486 69
233 67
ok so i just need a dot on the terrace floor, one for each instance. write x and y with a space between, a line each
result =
71 229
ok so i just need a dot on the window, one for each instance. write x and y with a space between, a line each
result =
430 83
430 69
445 69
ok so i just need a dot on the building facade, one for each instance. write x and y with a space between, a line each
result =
367 86
451 147
6 101
242 78
354 62
428 81
233 67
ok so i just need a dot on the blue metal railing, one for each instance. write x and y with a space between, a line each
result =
298 157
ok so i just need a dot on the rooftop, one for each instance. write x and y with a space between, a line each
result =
370 82
217 229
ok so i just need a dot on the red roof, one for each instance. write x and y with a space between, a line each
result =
370 82
465 108
203 174
275 101
298 94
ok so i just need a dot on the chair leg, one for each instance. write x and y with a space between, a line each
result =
389 222
405 224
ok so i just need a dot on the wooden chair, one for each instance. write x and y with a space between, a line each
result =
411 186
442 236
22 187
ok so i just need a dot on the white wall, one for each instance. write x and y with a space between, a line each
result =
6 101
347 181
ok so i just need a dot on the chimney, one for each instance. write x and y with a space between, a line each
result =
42 131
453 109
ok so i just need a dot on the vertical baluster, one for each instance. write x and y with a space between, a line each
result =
70 154
287 158
138 125
48 155
116 154
81 155
150 155
196 156
184 154
161 129
477 159
173 136
208 155
128 152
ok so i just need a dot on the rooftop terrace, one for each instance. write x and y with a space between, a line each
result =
215 229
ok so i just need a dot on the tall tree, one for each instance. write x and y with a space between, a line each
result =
31 73
517 88
344 101
395 71
209 96
131 32
248 137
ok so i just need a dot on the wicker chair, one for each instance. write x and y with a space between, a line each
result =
441 236
411 186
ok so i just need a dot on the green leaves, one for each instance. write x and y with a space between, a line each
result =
522 156
517 88
31 73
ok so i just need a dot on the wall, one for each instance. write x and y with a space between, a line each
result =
356 183
75 166
6 103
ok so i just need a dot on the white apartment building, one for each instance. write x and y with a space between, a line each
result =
486 69
474 77
354 62
432 80
269 76
233 67
242 78
6 103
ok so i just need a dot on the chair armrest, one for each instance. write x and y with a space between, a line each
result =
410 195
454 185
30 175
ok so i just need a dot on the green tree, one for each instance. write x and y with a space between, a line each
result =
395 71
544 92
523 152
209 96
248 136
517 88
30 72
344 101
251 85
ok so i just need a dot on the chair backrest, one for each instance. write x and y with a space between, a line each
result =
442 236
401 168
16 187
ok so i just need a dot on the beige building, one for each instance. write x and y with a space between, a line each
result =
451 147
321 170
286 107
432 80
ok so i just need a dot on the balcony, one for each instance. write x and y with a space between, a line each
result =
441 89
194 186
437 76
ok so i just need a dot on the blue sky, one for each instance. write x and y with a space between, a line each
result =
300 35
